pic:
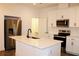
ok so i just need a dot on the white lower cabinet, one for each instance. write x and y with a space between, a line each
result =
72 45
29 50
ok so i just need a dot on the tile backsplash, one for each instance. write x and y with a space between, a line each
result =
74 31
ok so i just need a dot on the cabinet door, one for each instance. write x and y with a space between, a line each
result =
69 44
76 46
77 17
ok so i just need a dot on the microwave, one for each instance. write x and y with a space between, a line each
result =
62 23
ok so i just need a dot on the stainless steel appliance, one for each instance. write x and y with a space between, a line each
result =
62 34
62 23
12 27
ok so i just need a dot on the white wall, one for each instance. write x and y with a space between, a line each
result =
1 30
26 14
50 14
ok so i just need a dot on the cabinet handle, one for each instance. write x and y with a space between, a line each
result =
72 43
72 39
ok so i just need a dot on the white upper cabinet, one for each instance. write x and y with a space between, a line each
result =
52 19
71 13
77 17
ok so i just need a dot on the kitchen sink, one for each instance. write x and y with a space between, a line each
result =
35 38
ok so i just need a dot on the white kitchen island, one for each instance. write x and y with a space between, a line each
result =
36 47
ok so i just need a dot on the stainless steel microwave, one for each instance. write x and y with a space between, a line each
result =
62 23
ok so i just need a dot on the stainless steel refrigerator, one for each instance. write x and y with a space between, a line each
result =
12 27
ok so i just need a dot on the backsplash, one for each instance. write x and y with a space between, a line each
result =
74 31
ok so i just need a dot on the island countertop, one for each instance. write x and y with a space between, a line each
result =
38 43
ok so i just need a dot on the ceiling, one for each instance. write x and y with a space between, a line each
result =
39 5
44 5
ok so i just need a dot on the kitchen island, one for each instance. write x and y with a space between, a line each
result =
36 47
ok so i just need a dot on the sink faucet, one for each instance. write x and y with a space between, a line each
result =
28 33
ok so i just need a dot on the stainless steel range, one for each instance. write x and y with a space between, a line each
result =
62 34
